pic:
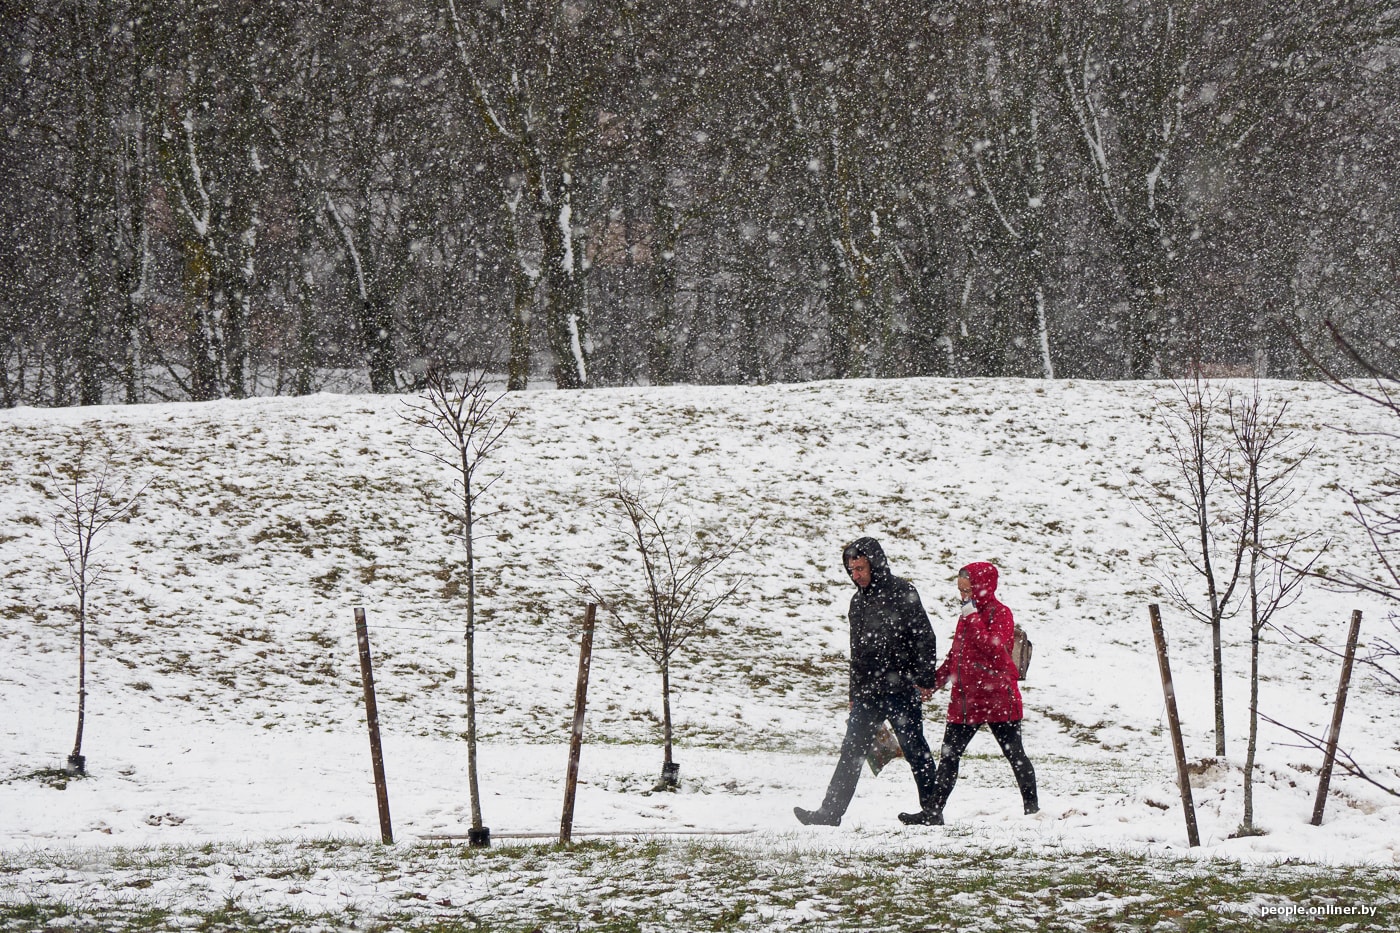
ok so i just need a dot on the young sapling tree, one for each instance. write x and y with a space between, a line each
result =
468 419
83 512
680 564
1263 478
1189 513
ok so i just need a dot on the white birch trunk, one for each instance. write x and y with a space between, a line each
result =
1047 366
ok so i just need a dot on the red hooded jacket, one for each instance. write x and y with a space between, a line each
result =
979 666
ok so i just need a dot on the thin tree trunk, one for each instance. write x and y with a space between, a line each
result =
236 345
7 386
1198 422
1248 824
136 277
525 283
1047 366
89 352
1218 678
141 150
87 209
661 342
473 788
203 332
666 708
377 332
92 210
305 290
241 281
82 673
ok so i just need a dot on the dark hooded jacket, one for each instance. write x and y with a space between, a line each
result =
979 667
893 649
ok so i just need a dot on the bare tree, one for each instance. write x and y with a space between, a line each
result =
1130 116
468 418
533 72
1189 514
385 186
1378 515
1012 131
83 512
210 135
1267 458
681 587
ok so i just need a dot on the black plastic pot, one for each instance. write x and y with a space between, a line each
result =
479 838
670 776
77 764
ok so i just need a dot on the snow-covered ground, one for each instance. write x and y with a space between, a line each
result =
224 691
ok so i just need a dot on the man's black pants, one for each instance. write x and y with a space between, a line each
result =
1008 736
906 717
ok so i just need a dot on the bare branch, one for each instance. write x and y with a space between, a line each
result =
1344 758
1380 658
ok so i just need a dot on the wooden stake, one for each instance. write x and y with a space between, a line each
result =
585 658
1178 748
381 787
1329 758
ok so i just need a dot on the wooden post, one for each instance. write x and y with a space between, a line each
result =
585 658
381 787
1173 720
1329 758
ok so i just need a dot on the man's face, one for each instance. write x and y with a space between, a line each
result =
859 569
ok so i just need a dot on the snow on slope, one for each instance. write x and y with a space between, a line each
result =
225 700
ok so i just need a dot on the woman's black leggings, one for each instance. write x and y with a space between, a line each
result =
1008 735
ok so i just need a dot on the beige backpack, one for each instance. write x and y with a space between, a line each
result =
1021 652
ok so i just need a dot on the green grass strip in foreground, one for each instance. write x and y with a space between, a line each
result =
332 885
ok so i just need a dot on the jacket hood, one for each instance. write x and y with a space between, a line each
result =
870 549
983 577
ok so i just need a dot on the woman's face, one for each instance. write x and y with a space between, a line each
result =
964 588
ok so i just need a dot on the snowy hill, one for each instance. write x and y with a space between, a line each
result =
224 692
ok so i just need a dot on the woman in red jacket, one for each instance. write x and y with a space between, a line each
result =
983 678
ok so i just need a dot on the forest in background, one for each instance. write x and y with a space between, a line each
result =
222 198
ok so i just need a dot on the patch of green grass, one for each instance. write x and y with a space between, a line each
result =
57 778
690 885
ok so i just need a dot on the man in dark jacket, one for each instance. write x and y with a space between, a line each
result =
893 654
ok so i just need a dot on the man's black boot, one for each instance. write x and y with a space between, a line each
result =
922 818
816 817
